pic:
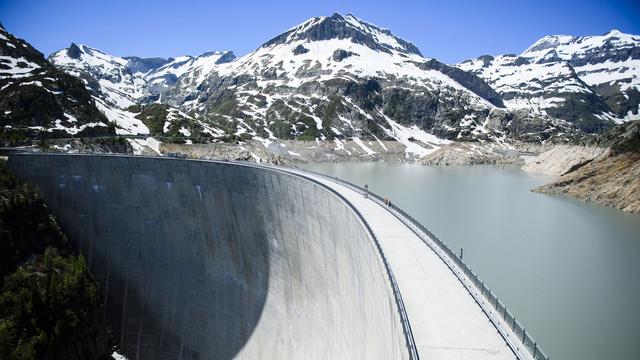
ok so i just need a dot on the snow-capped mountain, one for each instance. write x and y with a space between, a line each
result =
120 84
107 76
609 63
589 80
332 78
37 100
339 78
190 70
125 81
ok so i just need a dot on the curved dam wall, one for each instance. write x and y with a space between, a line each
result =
211 260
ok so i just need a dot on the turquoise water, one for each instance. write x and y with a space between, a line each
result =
568 270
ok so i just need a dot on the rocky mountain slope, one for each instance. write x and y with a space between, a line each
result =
37 100
126 81
612 179
122 86
333 78
340 80
562 159
337 78
591 81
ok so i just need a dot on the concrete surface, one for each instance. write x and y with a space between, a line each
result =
205 260
447 322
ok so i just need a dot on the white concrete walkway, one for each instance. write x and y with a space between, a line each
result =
446 321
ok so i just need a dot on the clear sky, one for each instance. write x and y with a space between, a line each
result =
449 30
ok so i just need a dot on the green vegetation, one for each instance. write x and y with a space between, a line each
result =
153 116
329 113
334 107
311 132
14 137
26 227
50 306
226 104
292 124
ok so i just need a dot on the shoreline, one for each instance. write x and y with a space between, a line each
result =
584 172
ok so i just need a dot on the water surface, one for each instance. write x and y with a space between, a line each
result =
568 270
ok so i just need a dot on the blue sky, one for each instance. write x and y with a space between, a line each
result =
449 30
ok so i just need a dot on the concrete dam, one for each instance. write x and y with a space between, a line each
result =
219 260
202 260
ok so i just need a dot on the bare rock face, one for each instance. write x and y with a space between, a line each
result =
563 158
341 27
341 54
104 145
623 138
300 50
611 178
612 181
458 154
249 151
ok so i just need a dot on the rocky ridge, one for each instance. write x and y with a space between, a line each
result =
37 100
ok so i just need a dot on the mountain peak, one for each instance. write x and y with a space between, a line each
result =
226 56
549 42
74 51
349 27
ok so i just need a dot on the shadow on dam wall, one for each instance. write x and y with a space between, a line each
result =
213 260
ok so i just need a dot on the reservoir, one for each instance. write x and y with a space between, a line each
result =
568 270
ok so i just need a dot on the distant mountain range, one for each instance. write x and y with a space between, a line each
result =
584 80
339 78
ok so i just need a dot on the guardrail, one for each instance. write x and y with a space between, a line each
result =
406 326
497 312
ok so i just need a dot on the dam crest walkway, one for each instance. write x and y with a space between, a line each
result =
450 317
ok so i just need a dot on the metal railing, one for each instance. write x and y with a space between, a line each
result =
519 340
